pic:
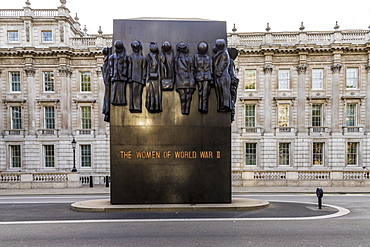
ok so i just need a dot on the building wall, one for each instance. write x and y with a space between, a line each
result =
300 52
69 52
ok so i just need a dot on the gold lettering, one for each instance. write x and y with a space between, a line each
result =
206 154
185 154
125 155
218 154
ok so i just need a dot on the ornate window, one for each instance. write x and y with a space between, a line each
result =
317 79
351 114
284 154
352 153
250 154
85 155
15 81
48 81
16 120
317 115
250 115
250 79
49 117
352 78
15 156
13 36
49 158
283 115
85 81
85 119
284 79
47 36
318 153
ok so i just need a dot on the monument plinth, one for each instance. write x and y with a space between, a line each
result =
169 153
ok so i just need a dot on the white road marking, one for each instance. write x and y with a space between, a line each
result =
341 212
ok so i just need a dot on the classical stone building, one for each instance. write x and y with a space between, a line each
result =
302 114
51 93
303 110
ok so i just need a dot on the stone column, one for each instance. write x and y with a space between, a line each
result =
335 91
65 99
267 98
301 98
367 117
31 97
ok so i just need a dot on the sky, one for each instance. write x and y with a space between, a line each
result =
248 16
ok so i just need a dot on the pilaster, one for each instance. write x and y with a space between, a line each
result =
267 97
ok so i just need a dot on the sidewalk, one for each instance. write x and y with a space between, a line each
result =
252 190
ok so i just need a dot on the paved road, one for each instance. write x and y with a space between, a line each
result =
47 221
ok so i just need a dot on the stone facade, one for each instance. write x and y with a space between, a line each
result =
51 92
302 114
302 108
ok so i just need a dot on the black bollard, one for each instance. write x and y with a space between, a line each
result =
320 194
91 182
106 181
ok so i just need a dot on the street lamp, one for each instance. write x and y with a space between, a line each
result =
73 142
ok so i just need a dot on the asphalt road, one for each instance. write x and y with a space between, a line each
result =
48 221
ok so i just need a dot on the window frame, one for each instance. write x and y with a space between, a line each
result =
84 156
13 83
253 81
9 36
16 122
48 125
320 117
85 86
47 38
48 83
84 120
288 154
284 80
250 117
354 116
356 154
356 78
314 79
12 157
254 155
322 154
278 114
47 158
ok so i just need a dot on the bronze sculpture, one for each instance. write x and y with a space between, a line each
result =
233 52
136 76
107 51
118 74
222 76
184 79
166 58
203 75
153 81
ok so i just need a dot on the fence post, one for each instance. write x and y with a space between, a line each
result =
91 182
106 181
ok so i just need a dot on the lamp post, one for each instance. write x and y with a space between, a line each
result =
73 142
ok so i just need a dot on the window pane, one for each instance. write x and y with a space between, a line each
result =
284 79
48 81
250 116
15 152
251 154
351 115
16 117
352 78
352 153
283 115
13 36
47 36
15 81
250 79
49 155
86 117
317 116
318 153
85 82
49 117
317 79
86 155
284 154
